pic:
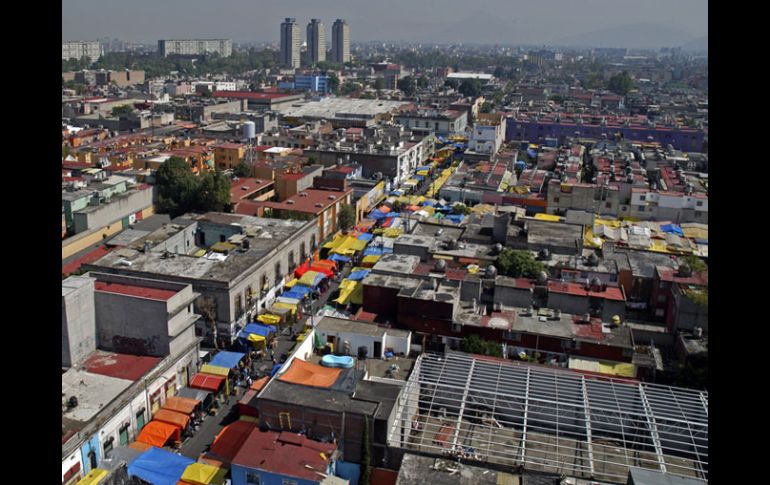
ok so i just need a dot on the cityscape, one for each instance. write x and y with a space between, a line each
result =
329 259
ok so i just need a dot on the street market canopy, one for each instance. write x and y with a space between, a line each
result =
172 417
269 321
307 374
229 441
183 405
157 433
93 477
312 279
207 382
159 467
202 474
298 292
215 370
199 395
258 329
365 237
351 291
339 257
358 275
227 359
259 384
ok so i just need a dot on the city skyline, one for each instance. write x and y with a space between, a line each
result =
551 22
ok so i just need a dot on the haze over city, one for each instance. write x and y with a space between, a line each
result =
601 23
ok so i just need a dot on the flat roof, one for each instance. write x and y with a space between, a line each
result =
419 470
135 291
550 420
338 107
309 200
285 453
120 366
93 392
331 324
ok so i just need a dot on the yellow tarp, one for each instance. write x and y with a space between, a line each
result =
351 291
291 283
371 259
392 232
199 253
308 278
548 217
349 246
248 419
287 306
215 370
695 232
257 340
202 474
483 209
608 222
93 477
268 318
223 247
619 369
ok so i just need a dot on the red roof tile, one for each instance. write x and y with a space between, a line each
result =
89 257
285 453
577 289
135 290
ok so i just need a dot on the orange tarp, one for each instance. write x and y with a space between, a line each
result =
184 405
384 209
207 382
305 373
326 263
172 417
157 433
228 442
259 384
138 445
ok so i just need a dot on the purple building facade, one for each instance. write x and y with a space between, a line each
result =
534 131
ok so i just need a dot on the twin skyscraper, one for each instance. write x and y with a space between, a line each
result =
316 42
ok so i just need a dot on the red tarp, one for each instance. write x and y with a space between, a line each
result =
302 269
157 433
229 441
259 383
207 382
322 269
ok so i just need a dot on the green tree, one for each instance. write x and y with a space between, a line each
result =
486 107
334 83
518 263
422 82
452 83
407 85
122 111
346 218
65 151
621 83
243 170
213 193
473 344
461 209
694 262
470 87
177 187
379 84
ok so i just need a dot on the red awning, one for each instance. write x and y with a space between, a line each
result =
157 433
207 382
302 269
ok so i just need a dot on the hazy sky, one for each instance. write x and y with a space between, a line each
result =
510 21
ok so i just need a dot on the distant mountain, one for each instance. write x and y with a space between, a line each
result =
641 36
478 28
698 45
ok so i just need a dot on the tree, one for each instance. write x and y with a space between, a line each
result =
346 218
621 83
461 209
486 107
407 85
422 82
243 170
334 83
65 151
518 263
213 193
207 306
470 88
379 84
694 262
452 83
473 344
177 187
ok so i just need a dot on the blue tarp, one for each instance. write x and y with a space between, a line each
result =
424 167
392 214
376 214
419 177
259 329
373 251
339 257
227 359
358 275
520 164
348 471
532 153
429 203
672 228
365 237
456 218
159 467
276 368
298 292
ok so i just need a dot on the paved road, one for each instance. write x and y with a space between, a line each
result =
211 426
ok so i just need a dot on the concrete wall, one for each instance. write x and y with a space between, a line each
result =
355 340
577 305
69 462
118 208
612 308
521 297
79 242
180 243
78 320
400 345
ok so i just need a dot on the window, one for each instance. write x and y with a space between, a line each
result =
140 420
252 479
642 197
92 459
641 208
608 205
108 445
699 203
661 298
124 435
556 199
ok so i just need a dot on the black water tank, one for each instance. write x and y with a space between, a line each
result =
363 351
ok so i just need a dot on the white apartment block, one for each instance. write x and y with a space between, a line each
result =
81 49
195 47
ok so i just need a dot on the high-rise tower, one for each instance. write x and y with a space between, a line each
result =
290 43
316 41
340 41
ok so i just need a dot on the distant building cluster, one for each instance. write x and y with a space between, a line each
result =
195 47
316 42
81 50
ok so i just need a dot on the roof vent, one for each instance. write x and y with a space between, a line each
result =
72 402
303 194
491 271
544 254
319 205
542 278
685 271
290 202
440 265
331 197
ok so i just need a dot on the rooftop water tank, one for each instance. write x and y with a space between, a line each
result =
249 130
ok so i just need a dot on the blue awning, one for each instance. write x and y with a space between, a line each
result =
275 370
257 328
228 360
340 258
297 291
673 229
358 275
456 218
373 251
376 214
159 467
365 237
